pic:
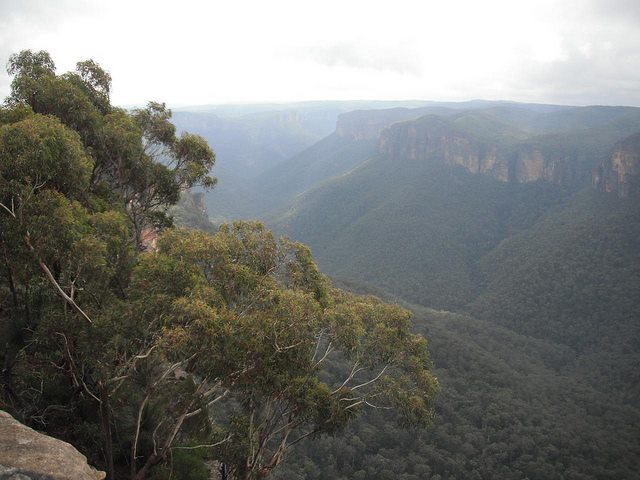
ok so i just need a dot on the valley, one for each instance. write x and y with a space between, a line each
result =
511 232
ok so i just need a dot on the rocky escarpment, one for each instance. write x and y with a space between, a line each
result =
434 139
620 173
28 455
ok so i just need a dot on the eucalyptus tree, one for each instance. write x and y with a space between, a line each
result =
233 342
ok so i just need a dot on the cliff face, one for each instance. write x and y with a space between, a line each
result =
620 174
433 139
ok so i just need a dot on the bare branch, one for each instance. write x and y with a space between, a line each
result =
284 349
354 371
302 437
134 447
372 380
53 281
71 363
153 436
377 406
128 366
11 210
211 445
320 335
360 402
199 410
326 354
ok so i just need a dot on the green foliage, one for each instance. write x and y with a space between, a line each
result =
136 155
539 367
253 322
217 343
572 277
511 407
38 151
400 227
96 83
183 465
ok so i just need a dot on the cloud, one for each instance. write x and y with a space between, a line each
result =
574 51
627 11
401 59
27 24
596 72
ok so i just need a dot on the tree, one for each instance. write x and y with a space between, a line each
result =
136 155
233 342
257 324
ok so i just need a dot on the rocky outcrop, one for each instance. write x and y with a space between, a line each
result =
28 455
199 202
149 238
433 139
288 119
620 174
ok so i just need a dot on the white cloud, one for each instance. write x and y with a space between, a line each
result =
574 51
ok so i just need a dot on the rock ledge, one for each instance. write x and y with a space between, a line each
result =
28 455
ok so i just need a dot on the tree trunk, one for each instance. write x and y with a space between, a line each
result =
105 415
153 460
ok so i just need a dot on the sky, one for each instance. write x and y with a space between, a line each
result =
577 52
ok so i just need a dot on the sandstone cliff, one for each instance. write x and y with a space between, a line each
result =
28 455
434 139
620 173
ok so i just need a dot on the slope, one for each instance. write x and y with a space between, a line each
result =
414 227
574 276
539 367
511 407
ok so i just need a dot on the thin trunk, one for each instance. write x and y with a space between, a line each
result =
154 459
12 285
142 474
134 445
105 414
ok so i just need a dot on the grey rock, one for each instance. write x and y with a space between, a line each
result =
28 455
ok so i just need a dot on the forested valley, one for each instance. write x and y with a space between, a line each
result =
473 313
510 230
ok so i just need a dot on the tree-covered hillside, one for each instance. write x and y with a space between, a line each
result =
573 277
511 407
415 230
539 364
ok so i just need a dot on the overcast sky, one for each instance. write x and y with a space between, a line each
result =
204 52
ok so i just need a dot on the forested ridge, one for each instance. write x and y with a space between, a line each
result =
152 348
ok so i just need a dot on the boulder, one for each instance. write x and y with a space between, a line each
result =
28 455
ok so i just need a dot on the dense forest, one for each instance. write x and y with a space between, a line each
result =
526 281
539 363
154 349
503 228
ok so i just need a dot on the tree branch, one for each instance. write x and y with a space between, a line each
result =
326 354
354 371
11 210
53 281
211 445
372 380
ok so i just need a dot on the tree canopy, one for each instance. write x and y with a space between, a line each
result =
229 345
